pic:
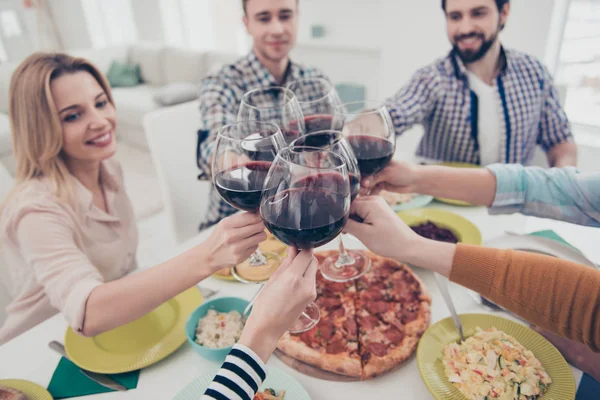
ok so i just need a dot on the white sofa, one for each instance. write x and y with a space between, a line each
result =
160 65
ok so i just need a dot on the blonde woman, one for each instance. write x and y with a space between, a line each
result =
67 229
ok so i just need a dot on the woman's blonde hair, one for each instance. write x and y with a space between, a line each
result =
34 121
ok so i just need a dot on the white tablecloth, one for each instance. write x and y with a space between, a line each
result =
28 356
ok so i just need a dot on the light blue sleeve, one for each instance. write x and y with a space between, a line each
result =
563 194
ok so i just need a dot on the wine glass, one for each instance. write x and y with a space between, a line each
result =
348 264
277 105
318 100
244 152
369 130
305 204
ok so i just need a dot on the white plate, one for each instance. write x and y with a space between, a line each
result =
539 245
276 379
419 201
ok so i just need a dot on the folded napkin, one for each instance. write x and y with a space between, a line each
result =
589 388
67 381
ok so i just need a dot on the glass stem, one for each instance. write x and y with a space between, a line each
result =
344 257
257 258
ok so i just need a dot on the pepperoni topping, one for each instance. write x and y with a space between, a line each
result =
372 294
377 307
335 347
325 329
308 337
377 349
394 335
410 312
367 322
383 273
330 302
350 326
338 312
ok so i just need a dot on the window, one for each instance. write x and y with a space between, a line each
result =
110 22
579 64
189 23
3 57
10 24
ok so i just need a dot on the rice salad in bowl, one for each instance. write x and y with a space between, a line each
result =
493 365
219 329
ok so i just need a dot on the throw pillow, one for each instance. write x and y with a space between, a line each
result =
124 75
175 93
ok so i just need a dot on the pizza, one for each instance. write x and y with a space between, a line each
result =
368 326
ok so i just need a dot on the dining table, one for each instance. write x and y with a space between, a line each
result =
29 357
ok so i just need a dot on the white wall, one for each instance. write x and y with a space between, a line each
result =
147 17
410 34
71 23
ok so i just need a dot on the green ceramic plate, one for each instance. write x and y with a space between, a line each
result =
276 380
31 390
463 229
137 344
434 340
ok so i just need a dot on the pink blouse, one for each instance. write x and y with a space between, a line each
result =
54 255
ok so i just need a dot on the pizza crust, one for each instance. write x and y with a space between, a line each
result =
341 363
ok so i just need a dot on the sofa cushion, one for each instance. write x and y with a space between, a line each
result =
180 65
149 57
5 139
6 71
134 102
124 75
175 93
103 58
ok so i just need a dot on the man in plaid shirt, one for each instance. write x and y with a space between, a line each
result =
273 27
482 103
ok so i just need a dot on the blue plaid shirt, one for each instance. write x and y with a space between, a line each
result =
220 98
563 194
438 97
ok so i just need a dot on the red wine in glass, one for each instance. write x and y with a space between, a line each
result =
372 153
354 186
241 186
317 122
316 214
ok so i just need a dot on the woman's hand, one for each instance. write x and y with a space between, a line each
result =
281 302
384 233
380 230
398 176
233 240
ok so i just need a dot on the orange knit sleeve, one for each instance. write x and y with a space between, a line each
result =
554 294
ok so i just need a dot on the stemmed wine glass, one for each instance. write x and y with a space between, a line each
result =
305 204
318 100
277 105
244 152
369 130
348 264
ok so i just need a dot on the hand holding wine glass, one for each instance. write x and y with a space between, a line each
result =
243 155
306 204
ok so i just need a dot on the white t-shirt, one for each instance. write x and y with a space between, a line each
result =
490 123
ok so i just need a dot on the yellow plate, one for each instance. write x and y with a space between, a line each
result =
431 346
137 344
452 201
271 244
31 390
464 230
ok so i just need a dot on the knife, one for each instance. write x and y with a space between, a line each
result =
101 379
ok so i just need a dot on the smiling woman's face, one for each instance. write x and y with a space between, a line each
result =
87 118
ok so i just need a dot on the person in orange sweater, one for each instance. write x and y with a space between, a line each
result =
555 295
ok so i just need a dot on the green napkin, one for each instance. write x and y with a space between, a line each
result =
549 234
67 381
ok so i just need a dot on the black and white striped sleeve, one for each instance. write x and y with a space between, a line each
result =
240 376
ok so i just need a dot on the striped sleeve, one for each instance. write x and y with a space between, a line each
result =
563 194
414 102
240 376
